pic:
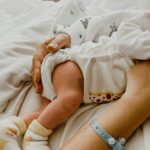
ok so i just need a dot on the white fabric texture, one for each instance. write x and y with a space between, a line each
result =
21 29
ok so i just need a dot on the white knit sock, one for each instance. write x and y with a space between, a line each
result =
36 137
10 129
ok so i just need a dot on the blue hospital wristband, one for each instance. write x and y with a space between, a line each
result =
111 141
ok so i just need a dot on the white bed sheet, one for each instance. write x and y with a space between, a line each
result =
31 21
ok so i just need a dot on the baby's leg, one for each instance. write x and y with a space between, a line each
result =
29 117
13 127
68 84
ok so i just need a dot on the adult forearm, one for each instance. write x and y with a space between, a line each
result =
120 120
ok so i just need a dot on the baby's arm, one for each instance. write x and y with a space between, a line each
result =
133 37
89 28
77 31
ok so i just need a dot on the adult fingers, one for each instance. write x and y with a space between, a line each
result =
37 81
48 41
61 41
36 64
36 71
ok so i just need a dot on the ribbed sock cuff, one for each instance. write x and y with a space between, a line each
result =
39 129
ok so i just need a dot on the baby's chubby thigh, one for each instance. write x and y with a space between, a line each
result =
68 83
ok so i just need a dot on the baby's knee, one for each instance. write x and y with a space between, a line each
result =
71 101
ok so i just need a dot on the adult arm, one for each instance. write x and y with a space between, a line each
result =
123 117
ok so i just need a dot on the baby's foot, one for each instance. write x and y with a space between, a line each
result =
36 137
10 129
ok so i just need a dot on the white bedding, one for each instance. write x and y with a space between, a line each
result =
21 29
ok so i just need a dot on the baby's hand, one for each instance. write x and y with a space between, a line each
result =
59 42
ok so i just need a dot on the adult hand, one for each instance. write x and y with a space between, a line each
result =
51 45
60 41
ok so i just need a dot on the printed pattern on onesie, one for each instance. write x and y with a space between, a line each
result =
103 97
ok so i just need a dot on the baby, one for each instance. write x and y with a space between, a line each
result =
94 72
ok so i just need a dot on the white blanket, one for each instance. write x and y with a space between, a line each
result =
21 29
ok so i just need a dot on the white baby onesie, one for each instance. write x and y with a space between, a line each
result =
104 64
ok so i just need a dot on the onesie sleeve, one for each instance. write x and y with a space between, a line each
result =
91 28
133 37
77 31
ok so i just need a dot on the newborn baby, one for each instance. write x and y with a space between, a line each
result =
94 72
